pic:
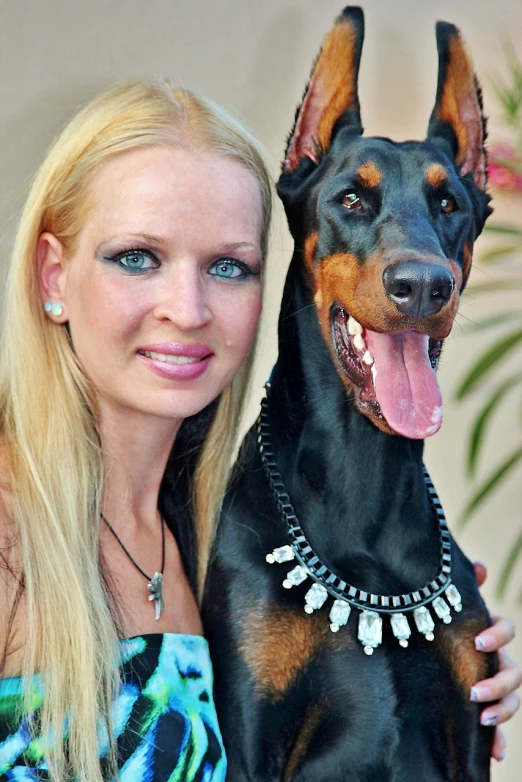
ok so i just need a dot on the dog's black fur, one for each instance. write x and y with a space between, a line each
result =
383 231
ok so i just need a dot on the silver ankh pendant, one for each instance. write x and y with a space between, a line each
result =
155 587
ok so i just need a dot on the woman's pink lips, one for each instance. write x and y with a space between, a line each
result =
191 371
191 350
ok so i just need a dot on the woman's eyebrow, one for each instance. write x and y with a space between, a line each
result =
125 236
231 246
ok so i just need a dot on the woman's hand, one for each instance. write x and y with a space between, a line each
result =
501 687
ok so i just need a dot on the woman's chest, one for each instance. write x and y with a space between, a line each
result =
143 602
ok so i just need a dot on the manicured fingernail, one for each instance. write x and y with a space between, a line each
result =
479 694
489 720
484 643
501 755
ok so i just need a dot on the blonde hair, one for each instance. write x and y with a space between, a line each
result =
48 418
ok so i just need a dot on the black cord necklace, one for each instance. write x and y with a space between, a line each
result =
155 585
372 606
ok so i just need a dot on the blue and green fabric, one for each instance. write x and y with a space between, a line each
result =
164 718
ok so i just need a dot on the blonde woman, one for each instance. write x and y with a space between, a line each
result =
132 306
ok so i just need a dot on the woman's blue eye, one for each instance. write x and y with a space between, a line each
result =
228 270
135 260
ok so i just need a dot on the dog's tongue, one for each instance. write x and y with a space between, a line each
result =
406 385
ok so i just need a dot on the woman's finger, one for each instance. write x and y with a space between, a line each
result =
481 572
501 632
498 750
502 711
503 684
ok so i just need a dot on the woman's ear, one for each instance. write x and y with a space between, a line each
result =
52 276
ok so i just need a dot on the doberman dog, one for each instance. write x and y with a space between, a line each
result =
330 498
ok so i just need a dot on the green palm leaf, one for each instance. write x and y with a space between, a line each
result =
494 285
498 253
503 228
492 321
508 566
487 361
482 420
488 485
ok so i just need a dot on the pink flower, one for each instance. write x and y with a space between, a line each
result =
504 167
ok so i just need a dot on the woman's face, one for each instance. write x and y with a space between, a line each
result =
163 292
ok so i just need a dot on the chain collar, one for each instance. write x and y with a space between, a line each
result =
326 583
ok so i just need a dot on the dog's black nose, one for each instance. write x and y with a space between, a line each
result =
418 288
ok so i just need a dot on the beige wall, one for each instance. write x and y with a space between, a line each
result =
254 58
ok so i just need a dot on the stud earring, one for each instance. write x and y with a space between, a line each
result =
53 308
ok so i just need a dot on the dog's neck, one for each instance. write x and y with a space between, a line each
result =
364 514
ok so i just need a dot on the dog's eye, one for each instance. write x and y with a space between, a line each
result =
351 200
448 204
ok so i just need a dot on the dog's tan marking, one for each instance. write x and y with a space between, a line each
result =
436 175
468 257
359 289
341 279
459 107
305 734
277 643
369 175
331 91
309 253
457 646
334 72
458 276
334 275
309 250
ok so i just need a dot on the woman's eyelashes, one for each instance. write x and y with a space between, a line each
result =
140 260
135 260
231 269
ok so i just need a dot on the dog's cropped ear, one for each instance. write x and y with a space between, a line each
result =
457 123
331 92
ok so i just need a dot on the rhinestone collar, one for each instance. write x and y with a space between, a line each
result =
345 597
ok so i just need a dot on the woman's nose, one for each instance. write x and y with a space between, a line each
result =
184 301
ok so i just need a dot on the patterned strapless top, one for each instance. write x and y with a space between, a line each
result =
164 717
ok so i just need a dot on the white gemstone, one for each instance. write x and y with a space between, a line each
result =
424 622
339 614
370 630
442 609
453 597
281 554
295 577
315 597
401 628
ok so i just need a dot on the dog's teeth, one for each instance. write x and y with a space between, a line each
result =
359 342
354 327
367 358
374 373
